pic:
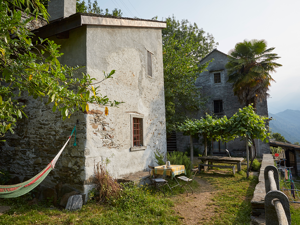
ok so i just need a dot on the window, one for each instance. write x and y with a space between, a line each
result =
217 78
137 132
219 146
218 106
149 63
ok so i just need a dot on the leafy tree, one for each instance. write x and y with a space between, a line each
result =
297 143
278 137
249 66
30 68
209 128
82 7
184 45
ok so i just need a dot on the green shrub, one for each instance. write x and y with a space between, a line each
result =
160 159
175 158
276 150
180 158
256 165
4 177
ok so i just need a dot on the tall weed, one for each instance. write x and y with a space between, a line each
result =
107 186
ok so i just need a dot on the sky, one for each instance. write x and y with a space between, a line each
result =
232 21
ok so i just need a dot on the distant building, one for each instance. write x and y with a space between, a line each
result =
221 101
291 154
127 138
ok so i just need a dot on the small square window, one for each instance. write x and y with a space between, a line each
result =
218 106
217 77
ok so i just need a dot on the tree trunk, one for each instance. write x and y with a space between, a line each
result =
212 147
205 152
192 151
247 152
205 145
254 155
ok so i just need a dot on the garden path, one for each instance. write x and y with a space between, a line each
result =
196 208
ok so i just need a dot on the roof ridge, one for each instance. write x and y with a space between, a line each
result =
211 53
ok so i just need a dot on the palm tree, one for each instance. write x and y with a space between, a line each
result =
249 66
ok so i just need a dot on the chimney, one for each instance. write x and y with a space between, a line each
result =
59 9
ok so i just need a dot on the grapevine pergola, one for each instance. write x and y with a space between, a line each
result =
244 123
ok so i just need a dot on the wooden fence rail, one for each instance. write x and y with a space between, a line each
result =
277 206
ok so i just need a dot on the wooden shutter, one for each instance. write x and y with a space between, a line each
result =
137 132
149 63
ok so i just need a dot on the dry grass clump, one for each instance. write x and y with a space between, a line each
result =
106 185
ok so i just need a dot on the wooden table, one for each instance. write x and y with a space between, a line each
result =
225 160
171 171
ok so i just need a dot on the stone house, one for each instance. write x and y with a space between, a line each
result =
132 47
221 101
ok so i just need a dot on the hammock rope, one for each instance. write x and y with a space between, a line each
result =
16 190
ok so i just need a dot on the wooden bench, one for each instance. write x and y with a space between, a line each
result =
223 160
219 166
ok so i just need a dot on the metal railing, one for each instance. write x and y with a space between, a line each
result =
277 206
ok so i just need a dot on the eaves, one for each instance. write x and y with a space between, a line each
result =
77 20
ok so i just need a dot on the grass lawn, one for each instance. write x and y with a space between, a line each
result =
135 206
231 204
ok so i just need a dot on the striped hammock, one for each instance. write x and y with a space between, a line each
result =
16 190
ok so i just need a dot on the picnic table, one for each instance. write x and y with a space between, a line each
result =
172 171
223 160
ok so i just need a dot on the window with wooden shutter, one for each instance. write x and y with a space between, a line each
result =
137 142
137 132
149 63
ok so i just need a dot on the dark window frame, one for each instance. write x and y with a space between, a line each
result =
218 106
219 149
217 78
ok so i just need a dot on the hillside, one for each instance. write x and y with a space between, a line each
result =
287 123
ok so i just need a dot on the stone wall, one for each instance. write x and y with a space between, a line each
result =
258 200
36 142
38 138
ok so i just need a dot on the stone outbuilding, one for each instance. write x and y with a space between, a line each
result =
127 137
221 101
291 155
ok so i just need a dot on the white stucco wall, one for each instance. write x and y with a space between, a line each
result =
125 50
99 137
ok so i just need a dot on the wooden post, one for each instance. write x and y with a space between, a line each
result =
205 152
192 151
212 147
247 152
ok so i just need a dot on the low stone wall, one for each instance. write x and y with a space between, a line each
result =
258 200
